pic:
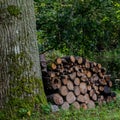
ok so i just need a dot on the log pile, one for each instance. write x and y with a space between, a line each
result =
78 82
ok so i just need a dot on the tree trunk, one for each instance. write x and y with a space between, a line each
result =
20 73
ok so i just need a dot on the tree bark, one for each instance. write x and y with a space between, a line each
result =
20 73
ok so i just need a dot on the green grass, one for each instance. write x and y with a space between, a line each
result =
110 111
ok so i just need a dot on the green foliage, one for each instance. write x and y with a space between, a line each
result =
110 111
86 28
78 27
46 109
111 60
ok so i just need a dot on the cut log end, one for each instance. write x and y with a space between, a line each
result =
58 99
65 106
70 98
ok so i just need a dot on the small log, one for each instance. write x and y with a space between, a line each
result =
87 64
57 99
95 69
79 74
94 97
89 87
70 98
100 74
70 85
83 87
91 104
76 68
76 105
77 81
72 75
101 88
52 74
84 78
91 93
88 74
79 60
64 79
84 71
99 65
65 106
86 98
95 77
63 90
70 70
76 90
58 61
95 87
80 98
72 58
53 66
84 106
102 82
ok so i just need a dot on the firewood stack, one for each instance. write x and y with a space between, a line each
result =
78 82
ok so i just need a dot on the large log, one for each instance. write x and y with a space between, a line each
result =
70 98
56 98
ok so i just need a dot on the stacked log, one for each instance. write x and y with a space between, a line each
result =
78 82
